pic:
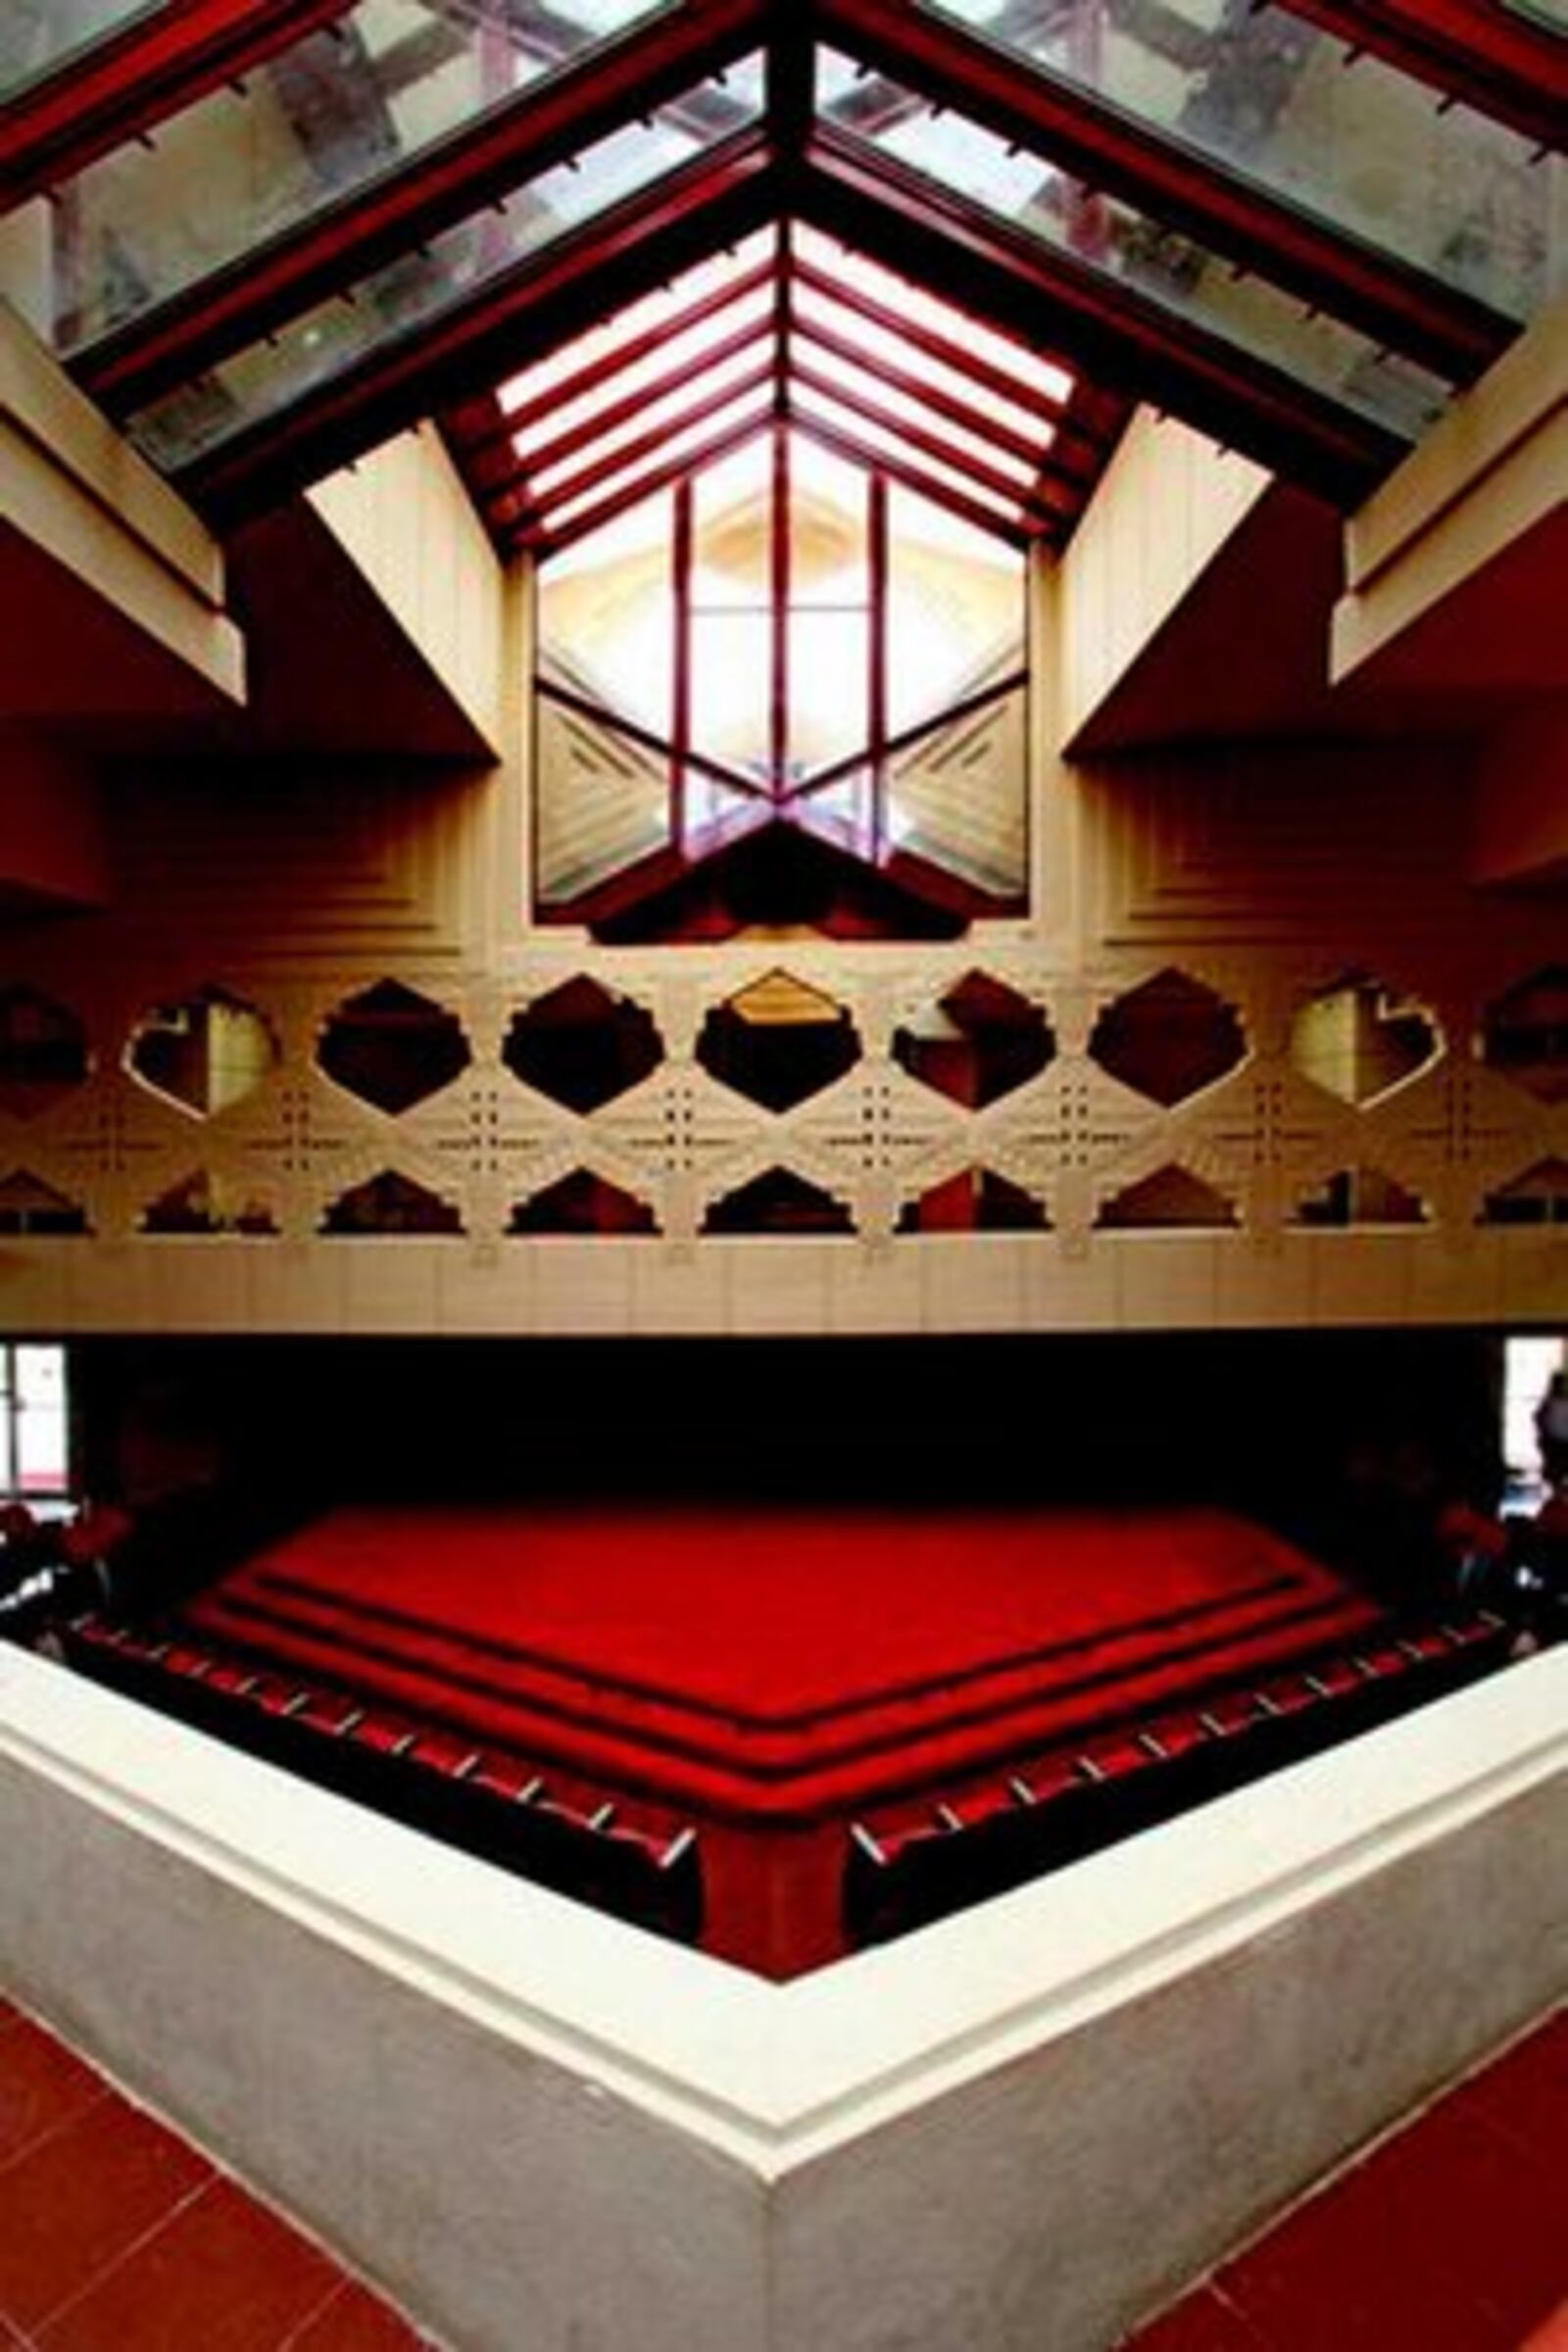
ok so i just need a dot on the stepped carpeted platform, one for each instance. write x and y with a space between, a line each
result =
770 1678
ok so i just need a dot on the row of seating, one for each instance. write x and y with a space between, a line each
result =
912 1865
489 1802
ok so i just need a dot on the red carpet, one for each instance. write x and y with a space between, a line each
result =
769 1726
779 1665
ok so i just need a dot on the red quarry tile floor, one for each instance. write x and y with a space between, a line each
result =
117 2237
1451 2235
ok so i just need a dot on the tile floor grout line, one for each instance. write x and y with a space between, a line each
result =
54 2131
109 2269
334 2295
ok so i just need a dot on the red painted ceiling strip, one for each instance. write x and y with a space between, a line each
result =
122 86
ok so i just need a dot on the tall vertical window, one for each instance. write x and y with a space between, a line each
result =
34 1428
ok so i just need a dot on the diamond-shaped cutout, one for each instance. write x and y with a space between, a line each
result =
1536 1197
976 1043
1359 1039
1525 1034
208 1203
1168 1038
390 1203
392 1048
204 1054
778 1202
777 1040
1172 1198
582 1203
581 1046
976 1201
1360 1196
28 1206
43 1051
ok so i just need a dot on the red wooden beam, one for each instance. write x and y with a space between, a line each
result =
576 283
1069 124
1473 51
1011 279
515 505
543 542
920 337
597 371
121 86
547 124
503 468
933 447
844 444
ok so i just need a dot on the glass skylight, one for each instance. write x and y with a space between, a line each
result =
37 36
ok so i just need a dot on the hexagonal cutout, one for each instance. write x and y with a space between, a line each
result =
582 1203
1171 1200
204 1055
777 1040
1360 1196
977 1042
43 1051
1538 1197
778 1202
28 1206
976 1201
390 1203
1168 1038
582 1046
208 1203
392 1048
1359 1039
1525 1034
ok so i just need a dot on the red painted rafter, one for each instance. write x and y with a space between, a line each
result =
922 338
844 444
543 542
932 446
578 282
1011 279
1071 127
503 468
1471 50
933 397
516 507
122 86
501 149
603 370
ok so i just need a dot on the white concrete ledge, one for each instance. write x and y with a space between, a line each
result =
1014 2132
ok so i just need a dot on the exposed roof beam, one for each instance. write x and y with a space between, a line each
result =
1035 293
1471 50
503 468
574 283
791 74
520 504
846 444
934 447
922 338
121 86
500 149
1069 126
479 443
544 542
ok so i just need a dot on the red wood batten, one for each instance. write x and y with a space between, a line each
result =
122 86
1474 51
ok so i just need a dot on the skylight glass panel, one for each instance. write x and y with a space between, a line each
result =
1111 240
639 318
318 120
38 36
408 293
1344 134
